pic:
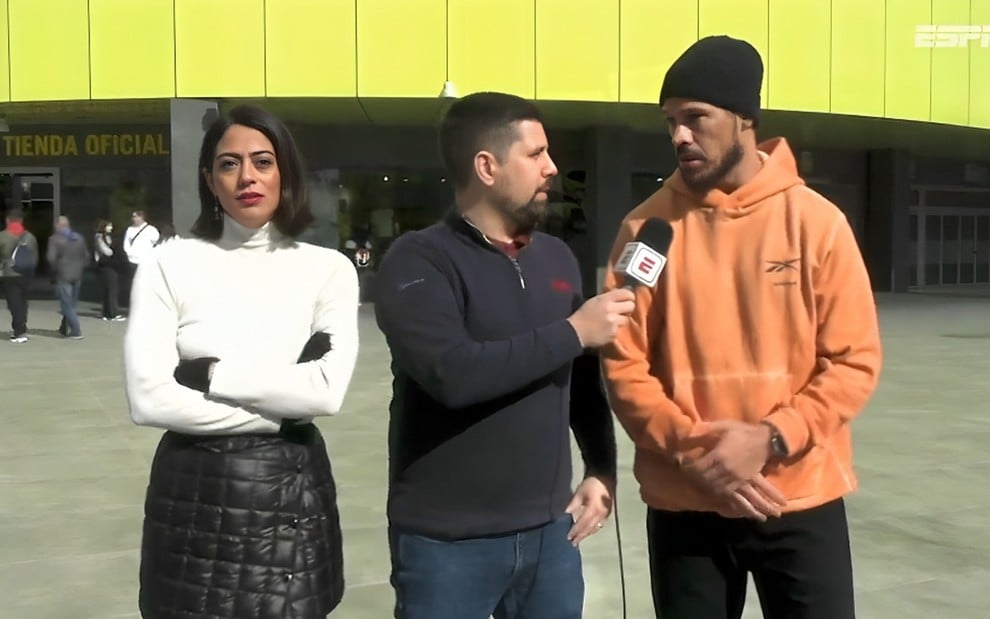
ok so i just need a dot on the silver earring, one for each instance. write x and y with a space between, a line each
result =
217 211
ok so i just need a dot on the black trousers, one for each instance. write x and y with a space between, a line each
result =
126 281
16 290
801 564
111 290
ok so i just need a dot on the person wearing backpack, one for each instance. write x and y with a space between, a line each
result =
68 258
18 263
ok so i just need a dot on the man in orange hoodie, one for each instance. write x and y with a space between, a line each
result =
739 374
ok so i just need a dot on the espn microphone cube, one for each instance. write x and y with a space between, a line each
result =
641 263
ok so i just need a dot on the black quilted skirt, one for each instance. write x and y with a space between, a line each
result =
241 527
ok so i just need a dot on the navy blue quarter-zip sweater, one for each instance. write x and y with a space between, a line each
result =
482 353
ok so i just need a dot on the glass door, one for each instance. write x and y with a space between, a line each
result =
967 249
950 249
932 250
35 191
956 246
913 262
981 250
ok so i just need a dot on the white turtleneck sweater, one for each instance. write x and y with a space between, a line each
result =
252 300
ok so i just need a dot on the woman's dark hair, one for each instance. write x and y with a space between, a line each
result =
293 214
102 225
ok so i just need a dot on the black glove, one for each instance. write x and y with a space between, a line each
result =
194 373
317 346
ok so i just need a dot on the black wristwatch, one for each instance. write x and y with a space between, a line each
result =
778 448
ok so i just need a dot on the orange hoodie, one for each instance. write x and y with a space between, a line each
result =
763 312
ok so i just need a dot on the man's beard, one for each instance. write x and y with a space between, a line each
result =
703 181
527 217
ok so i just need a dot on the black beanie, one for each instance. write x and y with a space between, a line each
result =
718 70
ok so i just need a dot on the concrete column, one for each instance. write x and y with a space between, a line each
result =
888 220
188 121
608 197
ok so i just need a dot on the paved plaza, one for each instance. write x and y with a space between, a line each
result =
73 470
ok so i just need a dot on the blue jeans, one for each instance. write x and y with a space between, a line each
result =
68 298
534 574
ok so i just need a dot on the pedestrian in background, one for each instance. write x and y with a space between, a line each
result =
18 263
106 266
68 258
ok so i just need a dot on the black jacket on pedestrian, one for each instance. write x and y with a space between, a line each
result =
482 358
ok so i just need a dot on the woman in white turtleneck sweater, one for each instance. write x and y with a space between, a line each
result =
237 339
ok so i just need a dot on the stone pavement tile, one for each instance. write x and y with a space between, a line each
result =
38 412
366 556
70 534
603 586
362 506
958 593
359 420
935 490
70 465
62 494
954 443
357 467
40 439
372 601
898 551
97 586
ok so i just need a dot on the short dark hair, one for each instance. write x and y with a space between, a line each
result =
480 121
293 214
15 214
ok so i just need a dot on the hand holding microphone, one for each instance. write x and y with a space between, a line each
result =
641 262
600 318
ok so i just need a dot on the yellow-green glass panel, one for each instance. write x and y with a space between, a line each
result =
950 65
577 50
799 76
740 19
858 57
645 56
310 48
49 49
509 27
402 48
4 57
907 84
979 67
132 49
219 48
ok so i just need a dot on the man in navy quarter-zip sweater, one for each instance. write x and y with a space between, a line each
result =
486 323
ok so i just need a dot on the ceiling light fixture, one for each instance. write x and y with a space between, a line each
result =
449 91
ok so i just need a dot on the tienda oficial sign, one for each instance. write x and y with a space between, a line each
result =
951 36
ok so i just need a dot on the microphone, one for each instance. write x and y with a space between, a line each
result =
642 260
